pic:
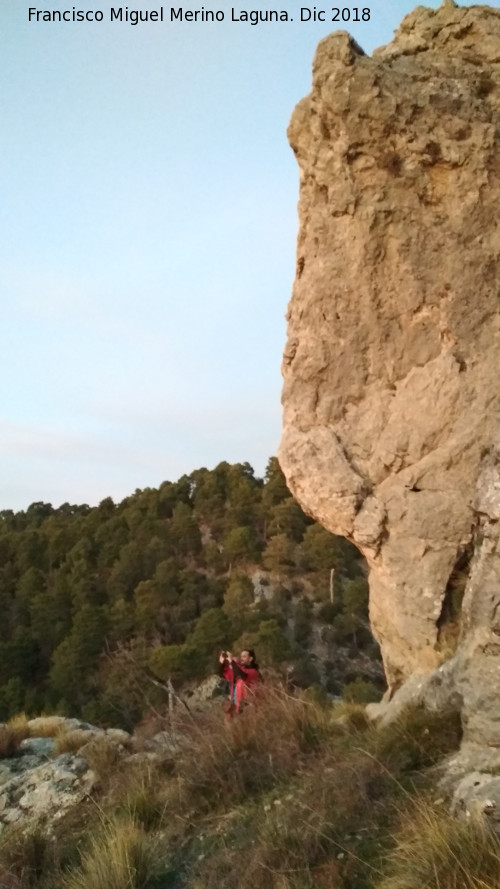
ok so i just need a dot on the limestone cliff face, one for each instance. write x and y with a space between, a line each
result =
392 365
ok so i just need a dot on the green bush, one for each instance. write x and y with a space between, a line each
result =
360 691
418 738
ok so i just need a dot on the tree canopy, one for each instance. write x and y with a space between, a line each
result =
173 573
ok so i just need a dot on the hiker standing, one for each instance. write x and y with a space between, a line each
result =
242 675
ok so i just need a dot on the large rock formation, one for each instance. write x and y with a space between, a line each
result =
391 370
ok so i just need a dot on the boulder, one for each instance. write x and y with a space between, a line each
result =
45 792
38 746
204 693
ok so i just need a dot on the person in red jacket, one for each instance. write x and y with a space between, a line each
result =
242 675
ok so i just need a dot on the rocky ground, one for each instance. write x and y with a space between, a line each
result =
41 781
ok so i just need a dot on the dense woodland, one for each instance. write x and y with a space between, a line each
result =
98 602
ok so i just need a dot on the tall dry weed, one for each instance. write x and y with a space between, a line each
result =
317 793
223 762
120 856
26 856
103 757
434 849
46 726
19 722
72 741
10 739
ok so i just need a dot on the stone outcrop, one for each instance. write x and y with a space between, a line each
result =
41 789
391 369
38 785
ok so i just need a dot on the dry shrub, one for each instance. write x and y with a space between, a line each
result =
417 739
10 739
140 744
145 800
434 849
139 791
305 832
120 856
72 741
150 725
224 763
319 792
350 716
46 726
447 643
103 757
26 855
291 794
9 880
282 724
19 722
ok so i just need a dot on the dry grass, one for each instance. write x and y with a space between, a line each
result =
46 726
145 799
433 849
9 880
103 757
306 832
300 796
223 764
19 722
10 739
350 716
292 794
139 791
72 741
25 854
281 734
417 739
448 640
322 825
120 856
150 726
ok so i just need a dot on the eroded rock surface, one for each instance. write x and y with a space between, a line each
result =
38 785
391 369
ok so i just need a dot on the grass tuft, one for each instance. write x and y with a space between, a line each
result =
25 855
72 741
225 763
418 738
294 793
145 800
19 722
434 849
351 716
103 757
10 739
120 856
46 726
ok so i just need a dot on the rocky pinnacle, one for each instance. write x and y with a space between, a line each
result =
391 369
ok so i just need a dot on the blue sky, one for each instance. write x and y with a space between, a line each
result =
147 240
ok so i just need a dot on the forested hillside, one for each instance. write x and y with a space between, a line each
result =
96 602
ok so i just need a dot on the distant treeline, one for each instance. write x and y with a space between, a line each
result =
98 602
